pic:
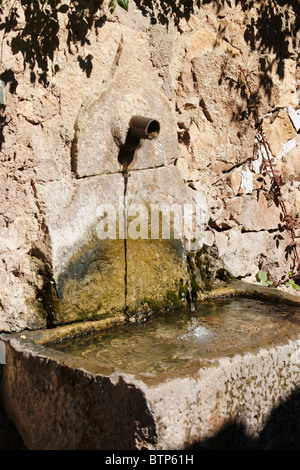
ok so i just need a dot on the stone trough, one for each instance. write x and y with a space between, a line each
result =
59 401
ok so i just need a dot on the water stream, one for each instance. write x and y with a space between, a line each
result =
125 176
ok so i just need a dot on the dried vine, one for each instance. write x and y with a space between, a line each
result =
267 168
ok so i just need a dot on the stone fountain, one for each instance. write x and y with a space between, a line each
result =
59 401
89 267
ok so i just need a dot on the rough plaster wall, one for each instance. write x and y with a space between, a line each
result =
195 54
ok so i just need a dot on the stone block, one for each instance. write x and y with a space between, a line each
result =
294 115
103 121
204 40
239 252
278 132
253 214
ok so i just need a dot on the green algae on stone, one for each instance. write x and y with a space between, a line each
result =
92 285
98 282
155 268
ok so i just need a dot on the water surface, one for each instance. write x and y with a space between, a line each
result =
167 342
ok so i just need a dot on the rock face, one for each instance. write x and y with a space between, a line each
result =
71 82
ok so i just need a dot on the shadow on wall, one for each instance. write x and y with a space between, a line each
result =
8 83
281 432
10 439
271 28
39 39
274 31
162 12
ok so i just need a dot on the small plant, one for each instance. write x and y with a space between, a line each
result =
291 282
122 3
263 278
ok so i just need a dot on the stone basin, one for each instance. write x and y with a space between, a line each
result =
61 401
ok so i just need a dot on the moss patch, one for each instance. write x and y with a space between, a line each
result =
95 284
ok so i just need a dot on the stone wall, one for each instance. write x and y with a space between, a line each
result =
59 58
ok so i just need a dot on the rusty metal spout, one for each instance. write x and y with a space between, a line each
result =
140 127
143 127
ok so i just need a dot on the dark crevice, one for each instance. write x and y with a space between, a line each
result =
116 59
119 171
237 165
252 231
217 228
205 110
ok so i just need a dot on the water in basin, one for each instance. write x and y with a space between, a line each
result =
165 342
